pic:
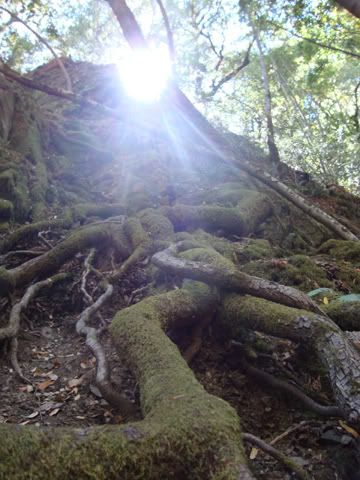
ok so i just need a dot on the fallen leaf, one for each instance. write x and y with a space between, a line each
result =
33 415
253 453
45 407
45 384
75 382
326 300
350 430
77 397
54 412
53 376
25 422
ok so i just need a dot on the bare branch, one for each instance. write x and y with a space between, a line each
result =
46 43
169 34
232 74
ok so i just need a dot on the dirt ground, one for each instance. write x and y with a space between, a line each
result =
61 393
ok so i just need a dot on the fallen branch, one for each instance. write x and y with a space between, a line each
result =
273 452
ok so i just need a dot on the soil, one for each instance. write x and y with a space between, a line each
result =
62 393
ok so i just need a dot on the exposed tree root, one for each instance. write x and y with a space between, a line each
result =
214 269
336 352
102 377
193 433
273 452
291 390
12 328
52 260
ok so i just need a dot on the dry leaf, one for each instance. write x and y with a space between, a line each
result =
253 453
44 385
326 300
33 415
350 430
75 382
53 376
54 412
25 422
77 397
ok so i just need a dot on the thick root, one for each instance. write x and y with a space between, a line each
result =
338 355
196 435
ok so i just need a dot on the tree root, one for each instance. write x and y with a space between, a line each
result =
50 261
12 328
292 390
195 434
241 220
102 377
336 352
273 452
214 269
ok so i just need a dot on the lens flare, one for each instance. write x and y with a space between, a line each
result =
145 73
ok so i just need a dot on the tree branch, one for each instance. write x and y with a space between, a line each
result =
47 45
169 34
315 42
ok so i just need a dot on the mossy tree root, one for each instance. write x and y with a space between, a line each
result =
240 220
186 432
207 265
336 352
49 262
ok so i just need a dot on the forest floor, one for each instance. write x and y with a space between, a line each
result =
60 368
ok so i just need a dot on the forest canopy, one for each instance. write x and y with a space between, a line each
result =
179 240
310 49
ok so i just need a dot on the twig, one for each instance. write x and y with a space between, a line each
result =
287 432
44 240
273 452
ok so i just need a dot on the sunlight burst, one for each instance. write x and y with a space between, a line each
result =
145 73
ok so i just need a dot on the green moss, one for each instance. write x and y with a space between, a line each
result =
7 282
343 249
255 249
83 210
299 271
207 255
346 315
6 210
156 225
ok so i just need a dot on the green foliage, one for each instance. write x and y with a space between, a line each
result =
314 106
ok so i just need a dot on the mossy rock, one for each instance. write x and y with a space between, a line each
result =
299 271
343 249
